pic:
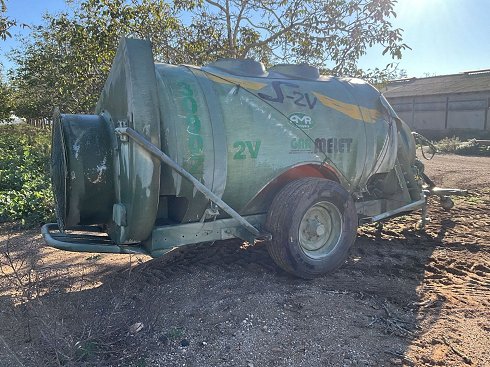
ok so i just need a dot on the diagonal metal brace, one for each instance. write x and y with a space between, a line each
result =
141 141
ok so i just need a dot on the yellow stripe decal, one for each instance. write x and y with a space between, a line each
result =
236 81
352 110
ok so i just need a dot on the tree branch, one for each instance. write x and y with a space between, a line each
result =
243 6
271 38
216 4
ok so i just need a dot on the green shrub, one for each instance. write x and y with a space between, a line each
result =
456 146
471 147
25 188
448 145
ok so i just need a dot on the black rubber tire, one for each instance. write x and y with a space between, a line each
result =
284 218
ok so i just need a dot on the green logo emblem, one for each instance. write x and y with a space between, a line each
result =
301 120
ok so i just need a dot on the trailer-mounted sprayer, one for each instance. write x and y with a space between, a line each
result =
176 155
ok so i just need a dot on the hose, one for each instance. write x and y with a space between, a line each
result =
421 140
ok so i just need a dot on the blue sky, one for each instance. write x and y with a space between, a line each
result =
446 36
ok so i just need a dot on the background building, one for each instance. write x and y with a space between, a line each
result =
444 105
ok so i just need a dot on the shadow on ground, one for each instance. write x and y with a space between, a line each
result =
227 304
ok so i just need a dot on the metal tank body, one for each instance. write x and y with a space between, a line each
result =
237 128
231 136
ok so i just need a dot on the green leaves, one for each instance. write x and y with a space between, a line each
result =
6 100
5 22
66 60
326 33
25 189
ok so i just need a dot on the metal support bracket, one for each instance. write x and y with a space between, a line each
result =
141 141
424 219
404 209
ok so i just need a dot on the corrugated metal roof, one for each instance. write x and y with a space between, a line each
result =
468 82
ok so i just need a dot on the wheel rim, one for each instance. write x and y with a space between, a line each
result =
320 230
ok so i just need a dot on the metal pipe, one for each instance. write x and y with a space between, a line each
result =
140 140
84 242
406 208
439 191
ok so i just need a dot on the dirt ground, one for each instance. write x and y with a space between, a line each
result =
402 298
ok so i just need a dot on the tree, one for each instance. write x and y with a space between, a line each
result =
5 22
66 60
6 100
326 33
381 77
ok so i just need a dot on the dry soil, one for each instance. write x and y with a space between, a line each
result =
403 298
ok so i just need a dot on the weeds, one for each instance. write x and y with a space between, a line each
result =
471 147
455 146
25 189
51 317
448 145
473 198
22 279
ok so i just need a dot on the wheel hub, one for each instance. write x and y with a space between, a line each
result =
314 228
320 229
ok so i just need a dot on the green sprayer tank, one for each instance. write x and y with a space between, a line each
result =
176 155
